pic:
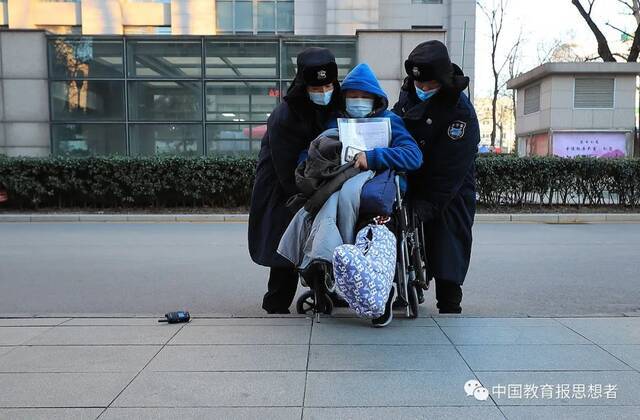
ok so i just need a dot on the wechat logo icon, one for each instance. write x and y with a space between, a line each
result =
474 388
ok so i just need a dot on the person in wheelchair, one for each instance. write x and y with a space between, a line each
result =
364 98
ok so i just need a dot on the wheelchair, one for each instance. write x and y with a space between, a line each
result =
410 277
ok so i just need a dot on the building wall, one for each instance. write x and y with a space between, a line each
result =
24 96
557 110
385 52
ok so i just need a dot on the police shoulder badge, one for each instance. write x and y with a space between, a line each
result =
456 130
322 74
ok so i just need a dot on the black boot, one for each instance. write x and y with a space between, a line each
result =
283 283
448 296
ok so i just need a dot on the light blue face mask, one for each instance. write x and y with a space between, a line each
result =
359 107
423 95
321 98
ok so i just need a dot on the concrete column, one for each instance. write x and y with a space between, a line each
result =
310 17
346 17
24 110
101 17
461 40
193 17
385 52
21 13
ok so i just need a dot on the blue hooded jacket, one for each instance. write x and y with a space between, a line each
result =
403 154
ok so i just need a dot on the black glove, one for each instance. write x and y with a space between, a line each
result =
425 210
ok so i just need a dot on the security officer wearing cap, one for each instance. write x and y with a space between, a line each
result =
442 120
311 102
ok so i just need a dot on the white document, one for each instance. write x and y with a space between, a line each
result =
362 134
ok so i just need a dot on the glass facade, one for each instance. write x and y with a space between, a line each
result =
174 95
254 16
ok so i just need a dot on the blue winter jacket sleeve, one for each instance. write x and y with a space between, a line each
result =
403 154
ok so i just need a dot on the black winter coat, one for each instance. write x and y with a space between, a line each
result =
447 131
290 129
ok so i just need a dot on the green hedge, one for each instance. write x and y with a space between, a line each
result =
114 182
111 182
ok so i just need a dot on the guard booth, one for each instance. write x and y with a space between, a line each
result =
577 109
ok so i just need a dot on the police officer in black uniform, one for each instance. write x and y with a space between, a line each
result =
311 102
443 121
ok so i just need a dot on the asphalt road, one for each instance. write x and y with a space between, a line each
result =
144 269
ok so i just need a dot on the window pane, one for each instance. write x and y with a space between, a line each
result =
157 101
285 16
244 16
224 16
241 101
85 58
266 16
166 139
147 30
89 139
345 53
163 59
234 139
87 100
242 59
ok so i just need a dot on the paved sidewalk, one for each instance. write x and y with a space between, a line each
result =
293 368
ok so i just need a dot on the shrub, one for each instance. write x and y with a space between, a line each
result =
121 182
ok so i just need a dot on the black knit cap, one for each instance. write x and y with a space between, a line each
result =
430 61
317 66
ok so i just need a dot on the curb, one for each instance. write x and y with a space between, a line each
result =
546 218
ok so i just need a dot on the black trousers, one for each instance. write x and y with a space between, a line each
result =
448 297
283 283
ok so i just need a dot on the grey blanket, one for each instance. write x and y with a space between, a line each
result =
309 238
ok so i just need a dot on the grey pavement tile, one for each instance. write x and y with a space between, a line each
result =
619 330
290 334
388 389
381 357
539 357
49 413
60 389
78 359
194 321
628 353
251 321
214 389
590 385
236 413
450 321
31 322
365 334
112 322
231 358
5 350
13 336
404 413
103 335
553 334
397 322
572 413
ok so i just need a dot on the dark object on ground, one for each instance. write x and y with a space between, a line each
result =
176 317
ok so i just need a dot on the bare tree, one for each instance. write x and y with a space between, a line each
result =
496 17
604 51
513 70
633 7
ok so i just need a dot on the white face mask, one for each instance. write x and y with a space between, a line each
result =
359 107
321 98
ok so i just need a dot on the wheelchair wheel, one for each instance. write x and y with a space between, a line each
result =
413 301
306 304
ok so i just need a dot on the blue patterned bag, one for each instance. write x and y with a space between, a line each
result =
364 272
